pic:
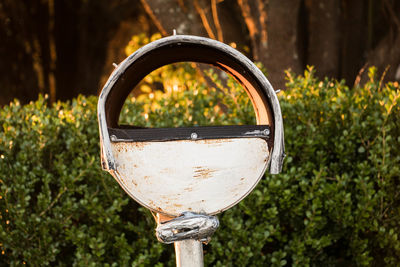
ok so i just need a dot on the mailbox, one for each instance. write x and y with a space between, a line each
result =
190 169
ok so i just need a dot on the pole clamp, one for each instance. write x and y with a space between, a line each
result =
188 225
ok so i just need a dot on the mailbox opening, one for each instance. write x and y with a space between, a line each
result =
190 125
187 88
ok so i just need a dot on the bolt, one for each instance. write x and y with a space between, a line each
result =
193 136
113 138
266 132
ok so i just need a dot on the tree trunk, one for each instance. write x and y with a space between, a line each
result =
120 39
387 53
354 39
21 52
211 19
324 36
59 47
273 28
168 16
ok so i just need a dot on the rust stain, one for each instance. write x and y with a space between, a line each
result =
133 182
202 172
167 199
217 141
138 144
160 209
146 177
241 179
128 146
163 217
188 189
121 180
153 205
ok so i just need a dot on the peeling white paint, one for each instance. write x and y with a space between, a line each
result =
204 176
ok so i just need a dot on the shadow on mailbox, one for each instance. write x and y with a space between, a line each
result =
204 169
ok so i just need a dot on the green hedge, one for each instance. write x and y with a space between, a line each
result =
337 202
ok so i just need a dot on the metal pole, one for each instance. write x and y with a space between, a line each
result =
189 253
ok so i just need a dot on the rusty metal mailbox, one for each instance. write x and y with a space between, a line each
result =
190 170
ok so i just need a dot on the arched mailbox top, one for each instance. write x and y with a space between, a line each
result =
180 48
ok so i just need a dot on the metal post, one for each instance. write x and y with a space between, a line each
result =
189 253
187 232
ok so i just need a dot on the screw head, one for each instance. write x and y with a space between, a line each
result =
266 132
113 138
193 136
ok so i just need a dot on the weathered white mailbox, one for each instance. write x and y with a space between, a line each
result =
195 171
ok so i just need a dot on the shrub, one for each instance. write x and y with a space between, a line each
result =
57 205
336 202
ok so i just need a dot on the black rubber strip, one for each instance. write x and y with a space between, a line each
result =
188 133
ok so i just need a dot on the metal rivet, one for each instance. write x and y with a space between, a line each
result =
193 136
113 138
266 132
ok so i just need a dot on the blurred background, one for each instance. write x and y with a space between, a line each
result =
67 47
